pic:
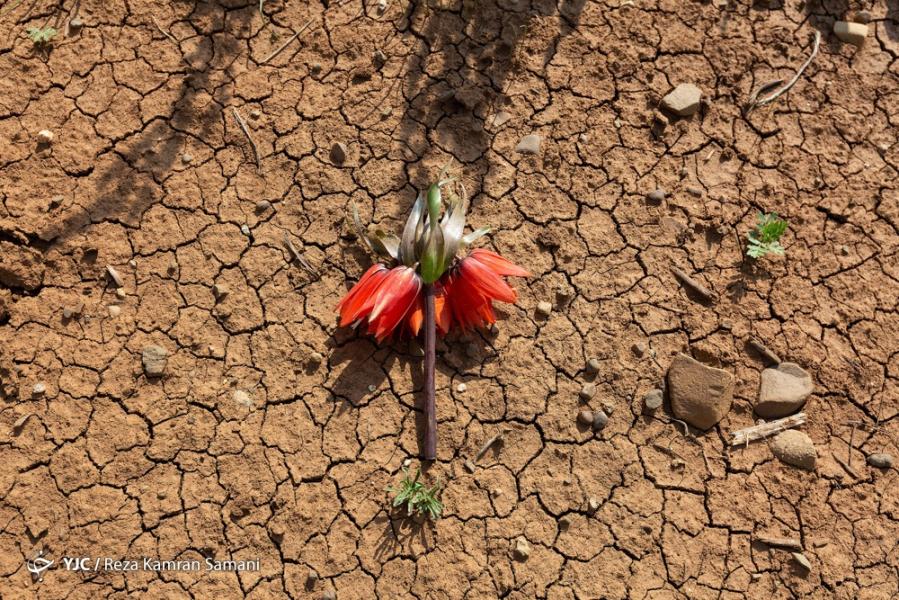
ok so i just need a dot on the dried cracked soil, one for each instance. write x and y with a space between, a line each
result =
249 447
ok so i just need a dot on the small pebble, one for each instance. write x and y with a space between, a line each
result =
39 389
600 420
881 460
329 595
219 290
114 276
564 522
372 388
684 173
608 408
639 349
45 136
312 577
69 312
245 229
656 196
585 417
255 114
55 201
694 191
243 398
593 365
851 33
529 144
653 400
132 263
263 205
683 100
863 16
593 505
75 24
154 359
522 549
187 158
544 308
587 392
338 153
316 358
461 388
800 558
114 311
501 118
120 294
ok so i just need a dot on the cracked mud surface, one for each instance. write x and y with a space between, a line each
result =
248 448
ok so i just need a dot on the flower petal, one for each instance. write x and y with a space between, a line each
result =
485 280
395 297
356 303
497 263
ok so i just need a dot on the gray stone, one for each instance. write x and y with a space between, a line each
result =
338 153
529 144
544 308
75 310
114 276
120 294
639 349
600 420
255 113
522 549
263 205
795 448
501 118
243 398
114 310
863 16
187 158
316 358
851 33
683 100
39 389
585 417
593 365
657 196
219 290
801 560
154 360
593 505
587 392
783 390
880 460
75 24
653 400
329 595
700 395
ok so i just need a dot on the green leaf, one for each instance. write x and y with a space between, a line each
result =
41 36
432 264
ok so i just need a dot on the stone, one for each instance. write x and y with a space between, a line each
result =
851 33
316 358
338 153
593 365
795 448
783 390
69 312
154 359
255 113
263 205
114 276
683 100
243 398
39 389
801 560
219 290
501 118
329 595
56 201
657 196
120 294
45 136
863 16
694 191
700 395
461 388
653 400
529 144
187 158
75 24
587 392
114 310
585 417
639 349
544 308
593 505
245 229
880 460
600 420
522 549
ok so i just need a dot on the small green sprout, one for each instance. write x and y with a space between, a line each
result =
765 238
41 36
417 497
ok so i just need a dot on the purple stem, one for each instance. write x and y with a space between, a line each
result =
430 323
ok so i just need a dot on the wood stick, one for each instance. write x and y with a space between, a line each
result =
287 43
764 350
758 432
165 33
470 464
299 257
780 542
246 132
693 284
755 102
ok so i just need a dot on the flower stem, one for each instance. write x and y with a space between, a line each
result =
430 326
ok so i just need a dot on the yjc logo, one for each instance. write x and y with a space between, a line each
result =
37 566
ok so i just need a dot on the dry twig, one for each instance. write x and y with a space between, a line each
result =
246 132
780 542
756 102
165 33
286 44
693 284
299 257
758 432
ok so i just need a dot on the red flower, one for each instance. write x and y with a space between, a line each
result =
464 295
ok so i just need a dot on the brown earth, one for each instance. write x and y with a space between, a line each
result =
249 448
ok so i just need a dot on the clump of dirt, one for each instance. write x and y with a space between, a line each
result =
268 434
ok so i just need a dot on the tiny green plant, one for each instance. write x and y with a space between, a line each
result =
766 237
41 36
417 497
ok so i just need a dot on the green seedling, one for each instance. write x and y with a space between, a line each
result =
766 237
41 36
418 498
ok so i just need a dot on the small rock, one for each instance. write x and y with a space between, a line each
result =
880 460
39 389
69 312
700 395
312 577
379 58
677 464
255 113
45 136
587 392
529 144
132 263
114 276
522 549
544 308
56 201
656 197
114 310
683 173
338 153
187 158
803 562
600 420
608 408
470 466
593 365
653 400
639 349
851 33
316 358
372 388
585 417
592 505
243 398
863 16
263 205
694 191
683 100
75 24
461 388
120 294
501 118
245 229
329 595
783 390
564 522
154 359
219 290
795 448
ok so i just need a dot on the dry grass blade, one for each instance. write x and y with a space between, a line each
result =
756 102
246 132
287 43
299 257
